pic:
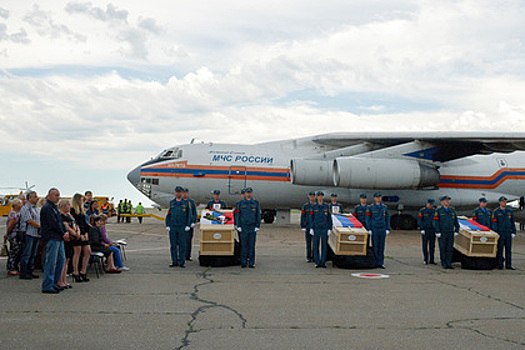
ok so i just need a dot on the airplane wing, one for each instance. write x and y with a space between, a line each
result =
436 146
394 159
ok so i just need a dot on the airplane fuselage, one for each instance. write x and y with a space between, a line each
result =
205 167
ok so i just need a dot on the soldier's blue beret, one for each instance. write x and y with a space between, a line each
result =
502 198
186 190
444 197
312 193
179 189
249 189
243 190
216 192
362 195
483 199
377 194
333 195
431 201
319 193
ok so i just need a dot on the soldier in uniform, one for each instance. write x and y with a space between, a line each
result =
178 223
248 221
320 224
446 226
378 224
503 223
193 213
425 220
335 208
360 210
481 214
305 218
216 203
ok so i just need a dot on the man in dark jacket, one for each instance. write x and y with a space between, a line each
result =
53 235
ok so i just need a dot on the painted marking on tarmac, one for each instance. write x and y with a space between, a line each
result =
372 276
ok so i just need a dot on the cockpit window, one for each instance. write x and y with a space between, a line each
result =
172 153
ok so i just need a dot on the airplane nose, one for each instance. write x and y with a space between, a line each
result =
134 175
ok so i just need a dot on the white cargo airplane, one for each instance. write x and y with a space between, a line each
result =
408 168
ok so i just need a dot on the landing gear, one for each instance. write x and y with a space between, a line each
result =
268 215
403 222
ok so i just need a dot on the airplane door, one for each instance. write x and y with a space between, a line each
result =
236 179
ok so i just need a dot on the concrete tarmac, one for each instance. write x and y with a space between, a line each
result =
284 303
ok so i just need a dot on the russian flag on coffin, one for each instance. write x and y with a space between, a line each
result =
346 220
211 217
471 225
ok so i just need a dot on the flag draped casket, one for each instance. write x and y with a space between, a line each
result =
217 233
475 240
349 237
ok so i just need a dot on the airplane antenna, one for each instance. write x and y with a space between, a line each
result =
192 140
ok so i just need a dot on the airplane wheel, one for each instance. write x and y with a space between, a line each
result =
268 216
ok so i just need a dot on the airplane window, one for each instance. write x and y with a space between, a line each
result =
173 153
154 181
148 181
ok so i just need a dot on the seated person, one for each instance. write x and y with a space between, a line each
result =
116 251
95 240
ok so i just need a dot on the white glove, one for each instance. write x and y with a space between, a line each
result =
513 235
370 232
239 229
438 235
167 228
387 232
193 225
256 229
303 229
329 231
187 228
422 232
312 231
456 233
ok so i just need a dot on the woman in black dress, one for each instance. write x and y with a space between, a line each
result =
82 244
73 234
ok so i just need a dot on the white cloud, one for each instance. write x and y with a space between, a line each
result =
111 13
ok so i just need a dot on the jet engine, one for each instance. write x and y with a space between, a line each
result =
311 172
352 172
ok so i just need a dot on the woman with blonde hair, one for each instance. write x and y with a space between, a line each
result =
81 244
64 208
15 238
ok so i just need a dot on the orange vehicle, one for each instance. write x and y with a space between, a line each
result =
5 203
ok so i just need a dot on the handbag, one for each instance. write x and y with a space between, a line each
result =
4 251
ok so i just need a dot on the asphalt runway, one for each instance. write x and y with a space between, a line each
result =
284 303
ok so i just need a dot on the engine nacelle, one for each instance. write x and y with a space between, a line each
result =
352 172
311 172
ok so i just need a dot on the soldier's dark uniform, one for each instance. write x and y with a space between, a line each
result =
425 220
213 205
305 219
193 220
248 220
378 221
482 216
320 223
360 212
446 223
503 223
178 220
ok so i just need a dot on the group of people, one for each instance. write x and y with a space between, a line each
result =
125 207
316 223
182 216
68 231
442 223
435 222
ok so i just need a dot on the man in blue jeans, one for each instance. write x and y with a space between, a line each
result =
30 225
53 235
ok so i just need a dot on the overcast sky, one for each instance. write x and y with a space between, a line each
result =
90 89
